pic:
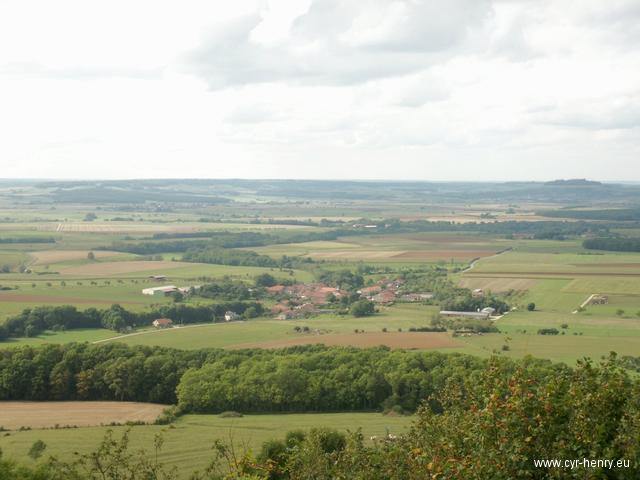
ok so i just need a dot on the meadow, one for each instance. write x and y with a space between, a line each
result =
188 443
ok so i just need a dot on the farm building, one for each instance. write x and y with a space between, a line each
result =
370 291
488 310
275 290
166 290
162 322
385 296
231 316
450 313
477 293
158 278
416 297
599 300
289 315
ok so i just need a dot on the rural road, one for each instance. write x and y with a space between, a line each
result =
476 260
586 302
144 332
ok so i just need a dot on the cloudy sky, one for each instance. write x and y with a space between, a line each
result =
369 89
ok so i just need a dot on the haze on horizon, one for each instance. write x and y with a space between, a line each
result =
466 90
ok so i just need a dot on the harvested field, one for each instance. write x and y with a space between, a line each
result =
405 340
14 415
54 256
116 268
494 284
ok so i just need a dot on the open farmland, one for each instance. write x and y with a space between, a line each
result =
404 340
120 268
114 227
56 256
394 248
14 415
333 328
501 284
188 442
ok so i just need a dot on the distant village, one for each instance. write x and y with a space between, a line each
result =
301 300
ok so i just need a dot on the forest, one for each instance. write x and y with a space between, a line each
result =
297 379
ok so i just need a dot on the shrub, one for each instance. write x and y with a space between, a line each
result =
37 449
548 331
362 308
231 414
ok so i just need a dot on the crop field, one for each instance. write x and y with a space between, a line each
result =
117 227
14 415
498 284
188 442
560 264
410 248
56 256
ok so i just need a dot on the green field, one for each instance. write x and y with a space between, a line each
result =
559 282
188 442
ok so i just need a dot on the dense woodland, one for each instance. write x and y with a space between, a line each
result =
614 244
298 379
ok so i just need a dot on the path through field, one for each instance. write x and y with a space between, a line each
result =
174 329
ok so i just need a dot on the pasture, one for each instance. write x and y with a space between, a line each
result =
188 442
331 329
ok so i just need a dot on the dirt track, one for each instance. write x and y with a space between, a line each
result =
405 340
14 415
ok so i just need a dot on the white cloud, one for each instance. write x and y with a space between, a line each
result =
464 89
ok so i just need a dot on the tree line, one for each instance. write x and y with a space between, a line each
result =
614 244
33 321
298 379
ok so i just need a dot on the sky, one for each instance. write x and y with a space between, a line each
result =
320 89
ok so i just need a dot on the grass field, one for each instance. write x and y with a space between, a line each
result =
188 442
250 333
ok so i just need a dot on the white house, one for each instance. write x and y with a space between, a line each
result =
162 322
166 290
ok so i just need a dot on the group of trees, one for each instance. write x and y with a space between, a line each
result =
94 372
33 321
615 244
27 239
298 379
310 379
